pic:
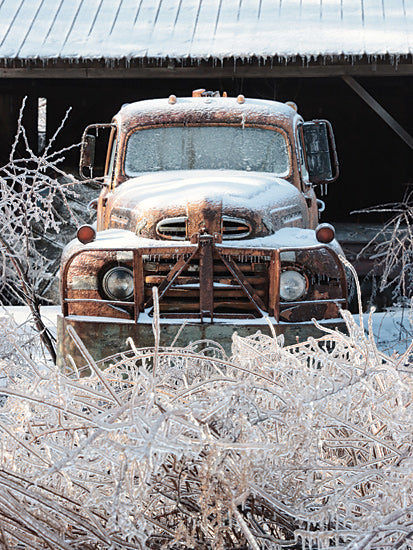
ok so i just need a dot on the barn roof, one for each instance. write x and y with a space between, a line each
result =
203 29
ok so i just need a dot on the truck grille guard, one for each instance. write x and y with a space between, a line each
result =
208 282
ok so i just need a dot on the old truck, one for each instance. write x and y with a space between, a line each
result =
211 200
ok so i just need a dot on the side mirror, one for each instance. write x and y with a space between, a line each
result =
90 142
87 156
320 150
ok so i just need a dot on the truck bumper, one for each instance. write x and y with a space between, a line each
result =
105 338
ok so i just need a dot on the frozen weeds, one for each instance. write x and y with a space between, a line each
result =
274 447
392 329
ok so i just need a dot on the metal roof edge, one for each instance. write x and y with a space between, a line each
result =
144 67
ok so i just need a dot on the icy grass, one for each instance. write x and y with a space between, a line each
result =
275 447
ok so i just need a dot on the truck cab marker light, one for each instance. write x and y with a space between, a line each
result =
241 99
86 234
293 105
172 99
325 233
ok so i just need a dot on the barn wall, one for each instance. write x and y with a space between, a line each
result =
376 165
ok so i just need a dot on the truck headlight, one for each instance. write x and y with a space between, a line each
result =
293 285
117 283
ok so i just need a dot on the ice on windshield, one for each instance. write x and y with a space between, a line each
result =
205 148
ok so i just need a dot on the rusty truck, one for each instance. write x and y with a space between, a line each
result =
210 199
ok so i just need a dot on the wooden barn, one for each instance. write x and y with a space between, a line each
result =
349 61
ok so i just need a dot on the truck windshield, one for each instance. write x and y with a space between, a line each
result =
207 147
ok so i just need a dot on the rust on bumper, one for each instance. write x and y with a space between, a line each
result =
105 339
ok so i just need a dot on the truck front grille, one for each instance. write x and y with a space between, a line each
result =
206 281
190 295
176 228
172 228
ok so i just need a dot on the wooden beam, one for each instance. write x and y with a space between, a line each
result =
375 105
69 71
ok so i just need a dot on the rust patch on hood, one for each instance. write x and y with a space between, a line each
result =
198 202
204 217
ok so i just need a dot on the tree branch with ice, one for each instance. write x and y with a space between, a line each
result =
276 447
30 184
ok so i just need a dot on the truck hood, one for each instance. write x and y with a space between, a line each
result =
203 198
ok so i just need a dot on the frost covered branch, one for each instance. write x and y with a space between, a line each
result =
30 186
276 447
393 248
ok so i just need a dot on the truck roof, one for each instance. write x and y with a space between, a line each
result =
236 110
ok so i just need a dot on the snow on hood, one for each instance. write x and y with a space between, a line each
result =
252 190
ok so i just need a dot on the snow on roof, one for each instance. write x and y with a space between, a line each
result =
203 29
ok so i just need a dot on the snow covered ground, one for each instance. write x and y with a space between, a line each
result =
393 329
21 315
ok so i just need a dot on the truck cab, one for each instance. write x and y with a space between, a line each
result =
211 201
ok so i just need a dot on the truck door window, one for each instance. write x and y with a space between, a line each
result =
207 147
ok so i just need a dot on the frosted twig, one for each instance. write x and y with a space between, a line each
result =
29 188
308 443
